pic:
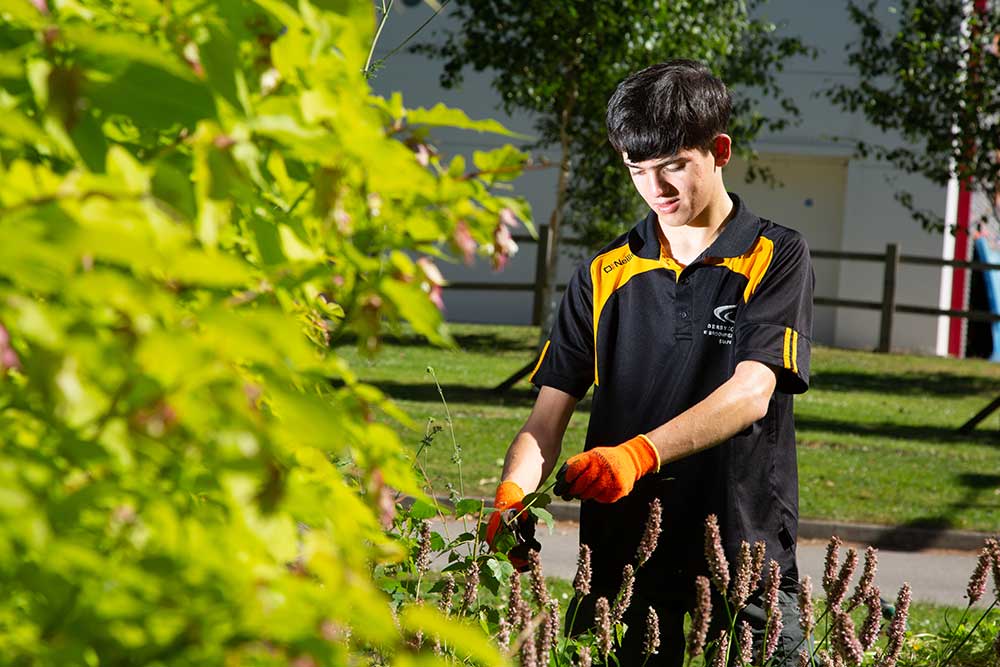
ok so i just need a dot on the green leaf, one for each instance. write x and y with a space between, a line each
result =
467 641
24 130
171 184
538 500
219 57
154 98
468 506
91 145
126 46
420 510
441 115
415 307
501 164
544 516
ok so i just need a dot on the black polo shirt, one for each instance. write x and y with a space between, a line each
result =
655 338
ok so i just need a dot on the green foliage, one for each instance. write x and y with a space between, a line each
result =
196 200
561 61
930 70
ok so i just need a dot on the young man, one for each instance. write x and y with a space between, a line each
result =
694 328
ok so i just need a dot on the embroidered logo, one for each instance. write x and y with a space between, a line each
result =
725 313
722 333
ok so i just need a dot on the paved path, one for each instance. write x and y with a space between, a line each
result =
934 575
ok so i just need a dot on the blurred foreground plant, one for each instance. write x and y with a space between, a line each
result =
196 200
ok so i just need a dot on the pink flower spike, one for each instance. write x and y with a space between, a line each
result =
508 218
464 241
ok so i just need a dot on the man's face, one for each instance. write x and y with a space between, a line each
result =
679 187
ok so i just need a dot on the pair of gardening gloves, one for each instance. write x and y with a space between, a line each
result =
604 474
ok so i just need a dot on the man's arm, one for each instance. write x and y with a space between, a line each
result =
535 449
736 404
607 474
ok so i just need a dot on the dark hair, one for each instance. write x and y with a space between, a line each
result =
666 108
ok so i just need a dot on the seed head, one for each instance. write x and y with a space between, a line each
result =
757 567
740 590
746 644
873 620
447 593
994 547
977 582
423 558
581 583
651 535
700 618
538 588
718 566
549 635
471 588
721 650
897 627
585 657
652 640
803 658
624 598
863 589
529 653
774 626
807 614
771 586
826 659
503 635
832 562
843 581
602 625
517 608
845 643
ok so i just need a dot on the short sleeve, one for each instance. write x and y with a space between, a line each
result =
567 358
775 327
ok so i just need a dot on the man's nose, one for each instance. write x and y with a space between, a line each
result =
661 186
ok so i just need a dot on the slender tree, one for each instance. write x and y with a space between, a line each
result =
562 60
931 72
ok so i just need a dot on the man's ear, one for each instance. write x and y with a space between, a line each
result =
722 149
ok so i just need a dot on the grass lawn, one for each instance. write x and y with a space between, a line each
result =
877 433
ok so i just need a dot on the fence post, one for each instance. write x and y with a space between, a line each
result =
541 253
888 297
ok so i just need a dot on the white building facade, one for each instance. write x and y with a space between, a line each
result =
839 202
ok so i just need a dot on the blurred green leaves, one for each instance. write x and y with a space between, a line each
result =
196 201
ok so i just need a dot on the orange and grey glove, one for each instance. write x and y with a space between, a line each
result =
509 503
607 474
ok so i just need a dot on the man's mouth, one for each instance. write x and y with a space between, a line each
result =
667 206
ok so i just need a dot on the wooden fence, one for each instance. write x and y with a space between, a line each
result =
891 260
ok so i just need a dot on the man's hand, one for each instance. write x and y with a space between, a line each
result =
509 503
607 474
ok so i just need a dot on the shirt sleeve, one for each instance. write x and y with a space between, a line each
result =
567 358
776 325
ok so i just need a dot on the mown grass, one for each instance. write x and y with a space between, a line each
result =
877 434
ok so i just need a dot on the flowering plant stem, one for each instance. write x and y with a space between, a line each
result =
969 633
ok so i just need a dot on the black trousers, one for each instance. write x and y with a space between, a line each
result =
671 612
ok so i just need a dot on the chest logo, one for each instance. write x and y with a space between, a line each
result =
722 333
725 314
618 263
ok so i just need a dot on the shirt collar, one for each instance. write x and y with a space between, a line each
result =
736 239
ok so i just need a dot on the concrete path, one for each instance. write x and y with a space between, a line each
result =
936 575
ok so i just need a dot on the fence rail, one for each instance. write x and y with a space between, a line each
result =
891 260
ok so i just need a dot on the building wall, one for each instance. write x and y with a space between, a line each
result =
837 201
